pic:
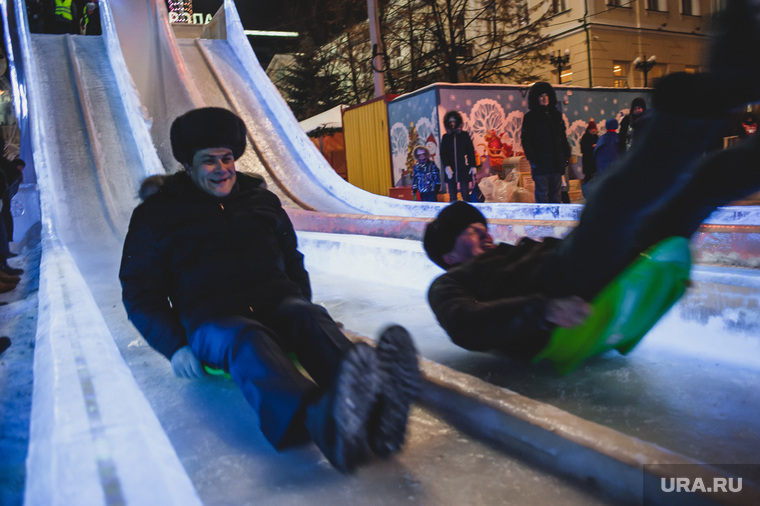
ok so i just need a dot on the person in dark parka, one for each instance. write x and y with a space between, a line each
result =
545 143
509 298
211 274
629 124
457 156
588 143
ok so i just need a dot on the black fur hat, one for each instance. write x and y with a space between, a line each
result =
208 127
441 233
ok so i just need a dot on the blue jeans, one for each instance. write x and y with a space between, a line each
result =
548 188
255 353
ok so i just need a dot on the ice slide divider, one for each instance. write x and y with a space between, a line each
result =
85 442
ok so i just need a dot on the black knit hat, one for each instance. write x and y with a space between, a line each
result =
441 233
208 127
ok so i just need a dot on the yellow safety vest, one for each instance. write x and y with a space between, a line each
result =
63 9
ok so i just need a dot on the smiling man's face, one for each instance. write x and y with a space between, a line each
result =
213 171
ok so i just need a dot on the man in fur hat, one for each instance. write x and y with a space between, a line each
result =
211 275
510 297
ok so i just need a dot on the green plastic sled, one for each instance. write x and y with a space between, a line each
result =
626 309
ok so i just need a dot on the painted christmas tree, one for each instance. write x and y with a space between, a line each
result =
414 142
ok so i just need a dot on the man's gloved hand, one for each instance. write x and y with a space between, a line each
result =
449 173
473 171
186 365
567 311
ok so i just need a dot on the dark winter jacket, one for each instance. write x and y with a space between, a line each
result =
189 256
543 133
457 150
587 153
497 300
628 125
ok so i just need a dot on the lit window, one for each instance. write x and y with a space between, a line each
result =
619 74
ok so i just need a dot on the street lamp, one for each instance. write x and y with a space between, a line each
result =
645 66
559 60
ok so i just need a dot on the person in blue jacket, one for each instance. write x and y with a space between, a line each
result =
607 149
426 178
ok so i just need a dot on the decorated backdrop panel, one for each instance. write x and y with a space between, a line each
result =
492 115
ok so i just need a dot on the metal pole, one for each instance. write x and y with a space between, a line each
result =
377 48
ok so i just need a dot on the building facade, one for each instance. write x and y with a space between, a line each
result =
605 39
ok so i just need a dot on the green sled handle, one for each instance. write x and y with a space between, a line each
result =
626 309
212 371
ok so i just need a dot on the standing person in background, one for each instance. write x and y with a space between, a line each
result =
545 143
629 123
606 150
90 22
426 178
64 15
457 156
588 143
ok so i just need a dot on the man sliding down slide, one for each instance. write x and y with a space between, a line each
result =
511 299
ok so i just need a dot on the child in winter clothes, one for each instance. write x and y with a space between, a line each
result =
426 179
607 150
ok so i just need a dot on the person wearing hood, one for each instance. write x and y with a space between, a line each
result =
544 142
606 150
588 143
457 156
629 123
211 276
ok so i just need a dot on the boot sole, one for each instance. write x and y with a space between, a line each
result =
356 389
400 385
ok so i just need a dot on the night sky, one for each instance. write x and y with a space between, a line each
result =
255 14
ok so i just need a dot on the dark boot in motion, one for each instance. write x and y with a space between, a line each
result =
337 421
400 382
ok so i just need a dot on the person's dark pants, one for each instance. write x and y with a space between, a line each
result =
428 197
464 189
660 188
548 188
256 357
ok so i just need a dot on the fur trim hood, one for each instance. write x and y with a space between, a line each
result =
536 91
456 116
